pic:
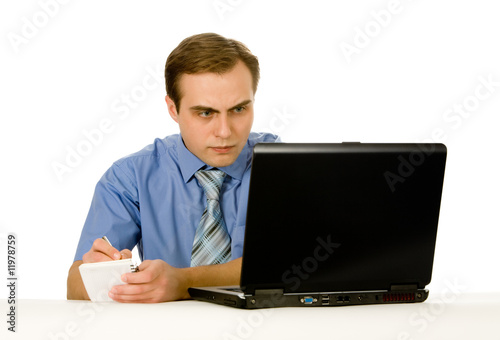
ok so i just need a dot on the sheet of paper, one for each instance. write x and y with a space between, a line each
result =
100 277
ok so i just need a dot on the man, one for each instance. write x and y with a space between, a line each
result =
158 199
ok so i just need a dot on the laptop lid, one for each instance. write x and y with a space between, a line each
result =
342 217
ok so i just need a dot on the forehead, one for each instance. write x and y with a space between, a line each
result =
217 90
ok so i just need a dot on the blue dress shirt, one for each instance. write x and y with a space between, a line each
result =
152 199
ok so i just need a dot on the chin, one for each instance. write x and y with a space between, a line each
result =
221 162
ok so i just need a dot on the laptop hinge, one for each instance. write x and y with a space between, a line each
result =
404 287
268 291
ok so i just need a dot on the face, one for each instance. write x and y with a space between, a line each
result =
216 114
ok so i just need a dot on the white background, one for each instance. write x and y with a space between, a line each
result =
67 67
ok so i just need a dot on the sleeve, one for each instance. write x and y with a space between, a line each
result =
114 212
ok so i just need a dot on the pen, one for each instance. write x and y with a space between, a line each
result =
106 239
135 268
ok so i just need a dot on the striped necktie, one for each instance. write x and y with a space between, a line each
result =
212 244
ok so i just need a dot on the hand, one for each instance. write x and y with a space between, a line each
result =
156 281
102 251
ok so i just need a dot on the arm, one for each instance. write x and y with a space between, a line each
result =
157 281
100 251
75 288
114 211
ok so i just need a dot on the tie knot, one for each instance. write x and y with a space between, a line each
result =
211 182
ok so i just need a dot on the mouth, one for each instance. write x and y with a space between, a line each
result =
222 149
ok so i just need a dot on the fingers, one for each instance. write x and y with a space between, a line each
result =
136 293
150 298
101 251
139 287
126 254
131 292
146 286
105 248
148 272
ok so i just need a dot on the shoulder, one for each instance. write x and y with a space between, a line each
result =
148 158
158 148
262 137
258 137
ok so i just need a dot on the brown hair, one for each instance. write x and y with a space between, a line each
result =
206 52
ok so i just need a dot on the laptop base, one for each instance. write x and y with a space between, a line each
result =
269 298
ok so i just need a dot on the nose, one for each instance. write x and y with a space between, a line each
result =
222 126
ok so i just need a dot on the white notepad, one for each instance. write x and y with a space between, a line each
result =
100 277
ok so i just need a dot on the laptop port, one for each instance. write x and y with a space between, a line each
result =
308 300
325 300
340 299
229 302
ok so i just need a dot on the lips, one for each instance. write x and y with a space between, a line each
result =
222 149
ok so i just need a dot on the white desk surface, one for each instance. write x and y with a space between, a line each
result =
465 316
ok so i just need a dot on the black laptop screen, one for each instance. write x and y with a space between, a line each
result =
336 217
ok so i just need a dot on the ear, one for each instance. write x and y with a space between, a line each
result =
172 110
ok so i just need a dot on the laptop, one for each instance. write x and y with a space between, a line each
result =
336 225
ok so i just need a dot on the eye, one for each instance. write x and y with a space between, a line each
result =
206 113
239 109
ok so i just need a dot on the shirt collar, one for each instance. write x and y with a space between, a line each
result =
189 163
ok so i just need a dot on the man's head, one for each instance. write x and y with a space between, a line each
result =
206 53
211 82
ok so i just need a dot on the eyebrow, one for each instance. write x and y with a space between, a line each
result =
208 108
